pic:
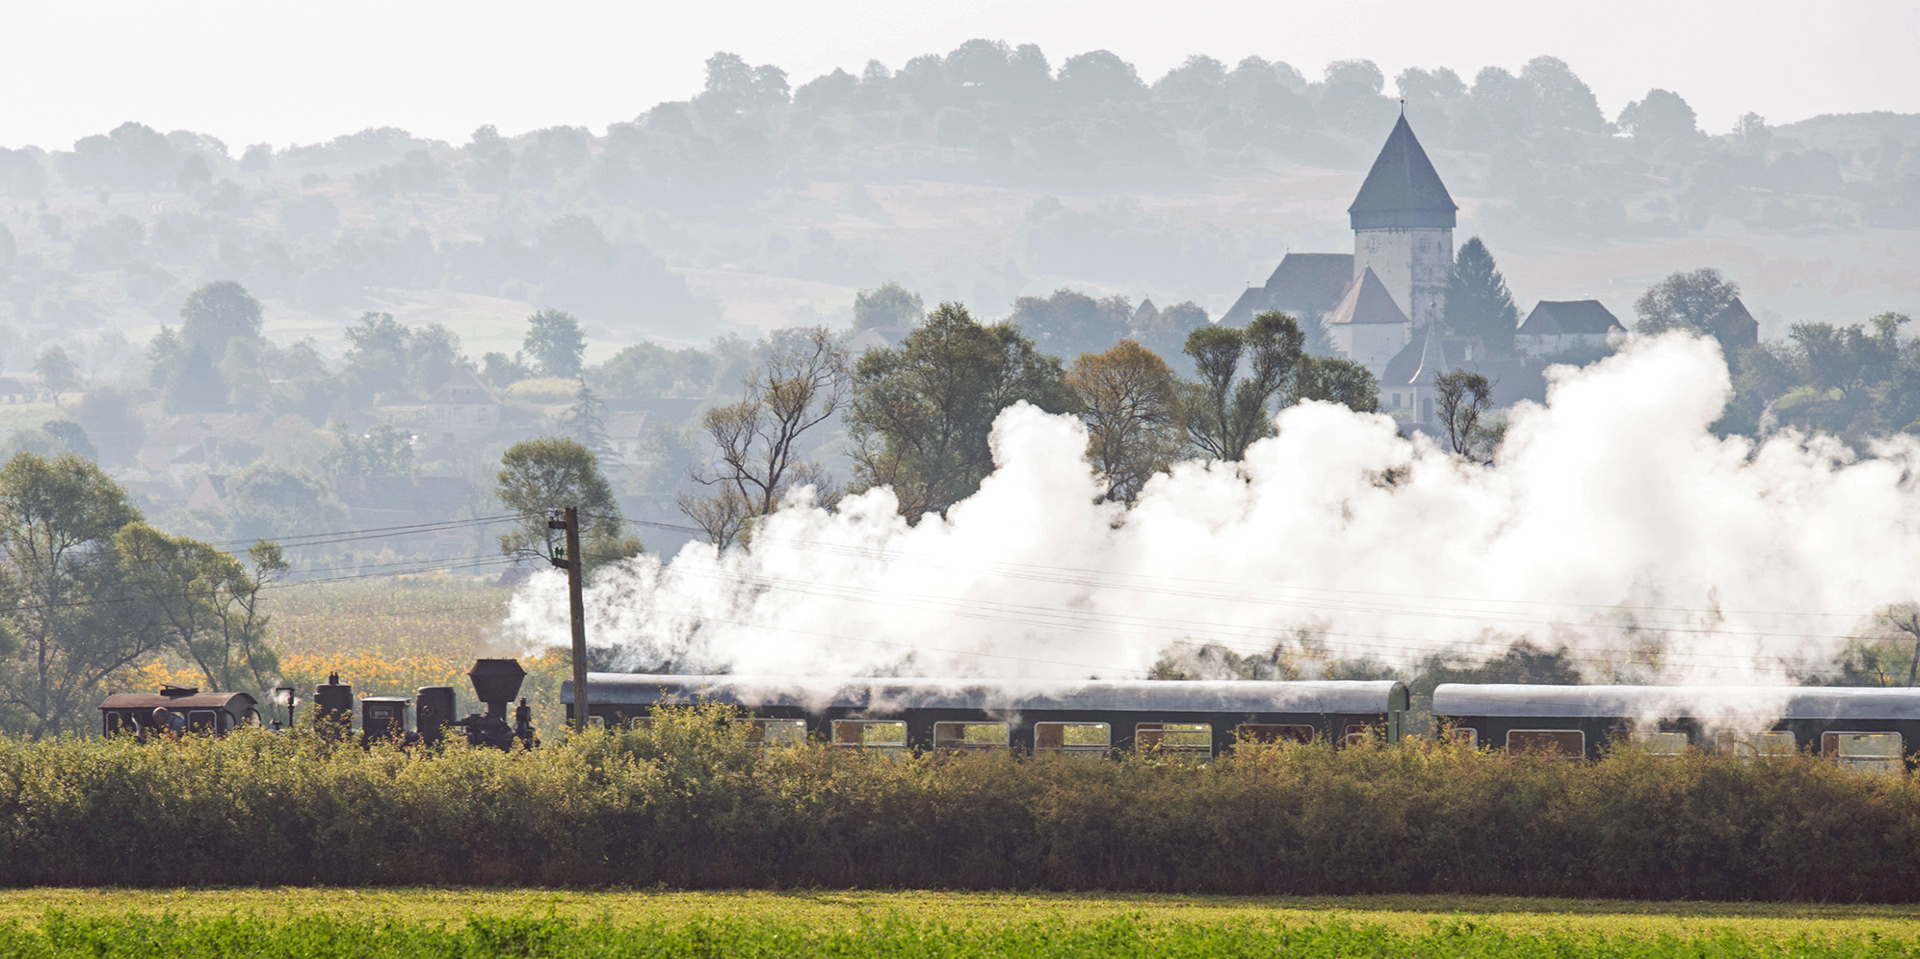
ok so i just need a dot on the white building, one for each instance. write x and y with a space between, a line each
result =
1556 325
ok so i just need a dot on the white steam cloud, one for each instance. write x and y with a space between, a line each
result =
1615 524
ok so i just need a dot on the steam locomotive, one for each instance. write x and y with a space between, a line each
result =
1866 728
183 709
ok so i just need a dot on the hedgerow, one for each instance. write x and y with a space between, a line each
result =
692 804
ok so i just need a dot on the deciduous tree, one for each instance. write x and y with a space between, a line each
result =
65 633
1334 380
542 475
1127 398
1226 409
1463 399
555 343
57 371
922 413
889 305
203 602
217 314
757 454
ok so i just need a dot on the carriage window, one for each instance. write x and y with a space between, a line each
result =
1777 743
1876 752
644 723
777 732
970 736
1666 744
870 734
1273 733
1465 734
597 722
1073 739
1571 743
1356 733
201 721
1190 739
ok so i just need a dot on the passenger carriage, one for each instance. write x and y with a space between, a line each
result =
1866 727
1090 717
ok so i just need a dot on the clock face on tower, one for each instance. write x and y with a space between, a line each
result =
1373 244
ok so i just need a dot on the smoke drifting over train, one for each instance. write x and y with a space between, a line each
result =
1615 524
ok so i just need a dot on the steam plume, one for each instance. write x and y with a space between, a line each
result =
1615 524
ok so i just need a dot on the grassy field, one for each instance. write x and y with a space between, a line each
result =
839 910
316 922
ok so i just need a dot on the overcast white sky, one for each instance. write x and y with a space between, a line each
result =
252 71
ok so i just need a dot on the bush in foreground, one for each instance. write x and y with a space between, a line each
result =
692 804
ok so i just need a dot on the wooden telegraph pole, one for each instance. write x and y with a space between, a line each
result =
577 607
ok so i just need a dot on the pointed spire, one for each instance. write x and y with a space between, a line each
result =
1402 189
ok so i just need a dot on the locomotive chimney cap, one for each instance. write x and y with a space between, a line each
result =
496 680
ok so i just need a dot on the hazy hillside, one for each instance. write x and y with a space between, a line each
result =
982 174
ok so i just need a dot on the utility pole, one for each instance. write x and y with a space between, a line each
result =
571 561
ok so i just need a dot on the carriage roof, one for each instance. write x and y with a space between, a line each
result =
811 692
1675 702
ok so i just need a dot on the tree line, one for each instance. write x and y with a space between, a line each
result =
918 416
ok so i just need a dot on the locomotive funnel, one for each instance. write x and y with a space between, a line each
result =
496 681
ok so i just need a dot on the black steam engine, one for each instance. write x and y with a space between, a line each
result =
496 682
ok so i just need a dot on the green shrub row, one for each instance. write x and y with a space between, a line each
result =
888 938
692 804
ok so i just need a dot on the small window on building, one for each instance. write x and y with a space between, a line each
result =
1187 739
1666 743
1465 734
1570 743
1072 739
1271 733
1875 752
970 736
870 733
776 732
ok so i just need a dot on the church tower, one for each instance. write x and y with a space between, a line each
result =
1403 229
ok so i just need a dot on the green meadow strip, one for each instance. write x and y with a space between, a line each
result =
58 935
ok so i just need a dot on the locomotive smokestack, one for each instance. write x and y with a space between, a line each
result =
496 682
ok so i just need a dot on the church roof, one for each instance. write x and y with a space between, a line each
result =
1554 317
1368 302
1147 312
1418 362
1735 326
1309 282
1252 300
1402 189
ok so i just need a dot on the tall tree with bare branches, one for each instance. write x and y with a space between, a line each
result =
758 457
1462 401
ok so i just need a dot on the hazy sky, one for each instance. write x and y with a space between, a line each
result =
281 72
